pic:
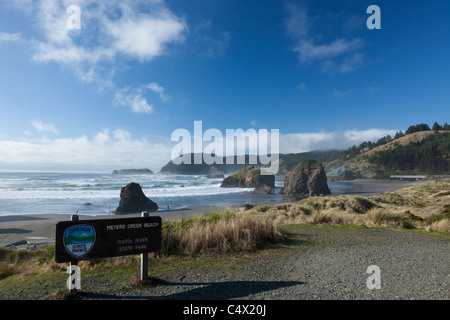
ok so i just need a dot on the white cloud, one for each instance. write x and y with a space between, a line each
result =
158 89
108 150
304 142
298 22
10 37
44 127
134 100
104 152
109 30
309 51
144 36
140 105
133 97
340 55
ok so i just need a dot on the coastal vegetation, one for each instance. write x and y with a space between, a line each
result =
419 150
422 207
425 207
223 233
429 156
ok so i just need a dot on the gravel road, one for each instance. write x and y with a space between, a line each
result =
320 262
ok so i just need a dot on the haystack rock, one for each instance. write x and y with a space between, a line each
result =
133 200
346 175
249 177
306 179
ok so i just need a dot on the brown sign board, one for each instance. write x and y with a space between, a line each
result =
102 238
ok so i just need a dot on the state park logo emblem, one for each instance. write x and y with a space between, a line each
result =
79 239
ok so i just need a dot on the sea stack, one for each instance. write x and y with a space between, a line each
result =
250 177
133 200
306 179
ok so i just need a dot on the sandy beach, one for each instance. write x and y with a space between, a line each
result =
24 231
38 230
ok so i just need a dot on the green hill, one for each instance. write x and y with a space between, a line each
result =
419 151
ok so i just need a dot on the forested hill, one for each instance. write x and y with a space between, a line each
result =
431 155
420 150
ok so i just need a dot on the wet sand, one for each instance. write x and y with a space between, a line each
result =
39 229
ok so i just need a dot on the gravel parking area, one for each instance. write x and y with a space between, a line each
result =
319 262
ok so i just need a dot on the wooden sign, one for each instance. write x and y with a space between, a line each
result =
92 239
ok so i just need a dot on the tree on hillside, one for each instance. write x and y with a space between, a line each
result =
446 127
399 134
418 128
436 127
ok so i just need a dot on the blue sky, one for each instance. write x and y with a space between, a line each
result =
110 94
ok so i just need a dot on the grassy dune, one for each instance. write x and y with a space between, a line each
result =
426 206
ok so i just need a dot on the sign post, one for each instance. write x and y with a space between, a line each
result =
102 238
144 257
74 280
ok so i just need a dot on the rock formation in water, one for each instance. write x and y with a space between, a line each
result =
306 179
133 200
250 177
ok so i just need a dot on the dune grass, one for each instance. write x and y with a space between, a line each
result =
426 206
218 233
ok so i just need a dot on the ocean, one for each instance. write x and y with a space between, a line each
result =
99 193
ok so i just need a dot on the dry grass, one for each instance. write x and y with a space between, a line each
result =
5 270
386 217
440 226
220 233
426 206
26 262
405 140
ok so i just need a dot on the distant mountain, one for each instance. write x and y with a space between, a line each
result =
205 169
286 163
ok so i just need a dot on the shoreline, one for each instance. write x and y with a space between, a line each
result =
38 230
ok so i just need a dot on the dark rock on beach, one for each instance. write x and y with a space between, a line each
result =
249 177
264 189
343 176
133 200
306 179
